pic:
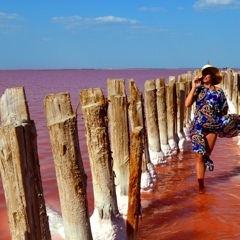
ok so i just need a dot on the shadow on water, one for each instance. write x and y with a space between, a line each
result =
226 175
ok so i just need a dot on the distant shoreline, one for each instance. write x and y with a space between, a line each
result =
94 69
109 69
97 69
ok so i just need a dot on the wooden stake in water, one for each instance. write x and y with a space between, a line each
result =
20 171
181 95
156 154
162 116
136 115
134 204
71 177
94 108
119 131
172 114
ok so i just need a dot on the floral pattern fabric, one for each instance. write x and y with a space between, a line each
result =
208 118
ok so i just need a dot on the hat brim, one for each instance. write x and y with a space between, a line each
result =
215 71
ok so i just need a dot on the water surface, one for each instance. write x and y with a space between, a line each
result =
174 209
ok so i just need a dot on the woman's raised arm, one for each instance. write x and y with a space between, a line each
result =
196 82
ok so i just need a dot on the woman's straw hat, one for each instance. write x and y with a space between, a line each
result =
217 76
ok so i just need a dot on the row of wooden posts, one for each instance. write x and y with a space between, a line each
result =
144 131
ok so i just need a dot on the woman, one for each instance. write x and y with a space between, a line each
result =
210 118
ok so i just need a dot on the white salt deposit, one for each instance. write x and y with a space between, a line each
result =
173 145
166 150
182 144
146 181
110 229
55 223
156 157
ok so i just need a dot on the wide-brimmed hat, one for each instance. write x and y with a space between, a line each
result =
217 76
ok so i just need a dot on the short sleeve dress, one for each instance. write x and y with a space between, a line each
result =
208 118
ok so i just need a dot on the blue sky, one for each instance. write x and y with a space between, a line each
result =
56 34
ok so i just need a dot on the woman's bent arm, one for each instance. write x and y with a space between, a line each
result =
190 98
192 94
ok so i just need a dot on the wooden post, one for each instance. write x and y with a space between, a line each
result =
180 93
134 205
156 155
188 110
221 85
162 116
119 131
229 88
94 108
171 113
136 115
188 88
71 177
238 97
20 171
235 92
183 80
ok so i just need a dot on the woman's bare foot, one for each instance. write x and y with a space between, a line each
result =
201 185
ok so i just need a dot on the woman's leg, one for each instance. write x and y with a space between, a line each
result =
210 140
200 169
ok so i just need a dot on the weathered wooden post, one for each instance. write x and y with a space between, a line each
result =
71 177
162 116
188 111
136 113
235 92
136 116
106 213
119 132
238 96
181 95
229 82
20 170
171 114
190 77
156 154
134 201
221 85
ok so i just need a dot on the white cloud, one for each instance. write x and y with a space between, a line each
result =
9 23
112 19
76 21
65 20
219 1
218 4
7 17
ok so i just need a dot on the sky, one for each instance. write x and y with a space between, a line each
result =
79 34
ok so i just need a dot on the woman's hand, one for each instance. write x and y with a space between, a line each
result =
196 82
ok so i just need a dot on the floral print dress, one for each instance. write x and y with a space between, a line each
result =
208 118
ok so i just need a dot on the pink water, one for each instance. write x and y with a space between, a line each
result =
174 209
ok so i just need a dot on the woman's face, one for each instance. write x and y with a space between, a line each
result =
207 76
